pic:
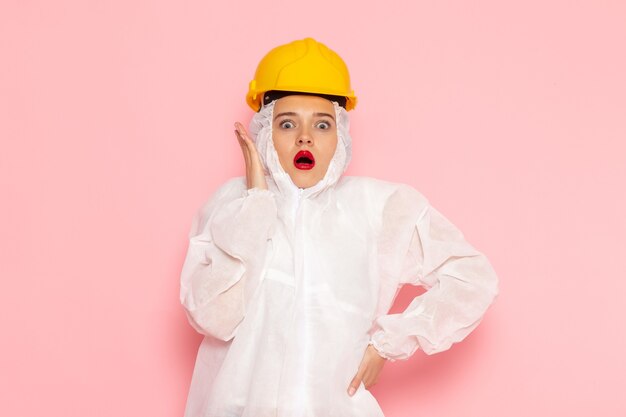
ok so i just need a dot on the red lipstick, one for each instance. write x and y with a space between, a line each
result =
304 160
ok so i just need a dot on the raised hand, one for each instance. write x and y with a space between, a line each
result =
254 167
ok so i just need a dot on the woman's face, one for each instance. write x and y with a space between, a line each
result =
305 137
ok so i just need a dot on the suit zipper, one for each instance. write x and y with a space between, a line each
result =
295 211
304 331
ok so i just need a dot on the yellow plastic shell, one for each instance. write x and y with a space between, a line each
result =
305 66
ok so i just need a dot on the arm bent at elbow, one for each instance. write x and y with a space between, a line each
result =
228 244
461 285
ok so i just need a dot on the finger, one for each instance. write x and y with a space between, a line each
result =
246 157
244 133
253 153
373 369
241 129
354 384
255 171
250 148
369 379
239 132
244 148
239 139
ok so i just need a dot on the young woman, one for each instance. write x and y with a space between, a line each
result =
292 269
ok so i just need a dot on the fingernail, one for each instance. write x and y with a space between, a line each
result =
351 391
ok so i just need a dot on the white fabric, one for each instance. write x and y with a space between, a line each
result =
290 285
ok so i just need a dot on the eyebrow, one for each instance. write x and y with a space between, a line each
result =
285 113
290 113
325 114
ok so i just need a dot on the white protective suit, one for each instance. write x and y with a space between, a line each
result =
290 285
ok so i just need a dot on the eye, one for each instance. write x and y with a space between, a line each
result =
287 124
323 125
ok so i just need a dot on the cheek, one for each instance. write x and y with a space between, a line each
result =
283 156
329 149
282 150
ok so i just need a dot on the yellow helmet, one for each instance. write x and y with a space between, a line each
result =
305 66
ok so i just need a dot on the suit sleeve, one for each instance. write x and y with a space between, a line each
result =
419 246
228 244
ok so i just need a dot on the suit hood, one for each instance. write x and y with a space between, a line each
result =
260 129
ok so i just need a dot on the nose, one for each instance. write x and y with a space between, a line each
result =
305 137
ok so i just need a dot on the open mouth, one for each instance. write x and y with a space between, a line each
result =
304 160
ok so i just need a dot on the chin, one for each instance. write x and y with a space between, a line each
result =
304 180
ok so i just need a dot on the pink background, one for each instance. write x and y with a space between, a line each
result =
116 124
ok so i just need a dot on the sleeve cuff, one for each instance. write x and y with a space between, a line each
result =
380 351
257 191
